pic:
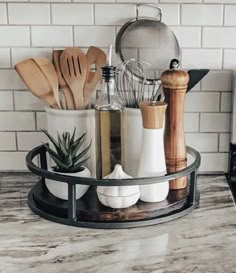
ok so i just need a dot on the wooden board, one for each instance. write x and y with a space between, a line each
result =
90 209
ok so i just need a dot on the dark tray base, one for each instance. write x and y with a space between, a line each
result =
90 209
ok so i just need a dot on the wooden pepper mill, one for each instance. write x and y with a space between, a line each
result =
175 84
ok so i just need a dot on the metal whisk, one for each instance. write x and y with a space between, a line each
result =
132 83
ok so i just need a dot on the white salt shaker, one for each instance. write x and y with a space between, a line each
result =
152 158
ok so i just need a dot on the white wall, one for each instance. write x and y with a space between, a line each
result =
206 32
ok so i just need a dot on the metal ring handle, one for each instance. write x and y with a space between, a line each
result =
150 6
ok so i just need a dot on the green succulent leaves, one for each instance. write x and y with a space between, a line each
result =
67 153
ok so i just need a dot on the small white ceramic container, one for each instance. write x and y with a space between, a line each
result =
118 197
60 189
132 140
66 120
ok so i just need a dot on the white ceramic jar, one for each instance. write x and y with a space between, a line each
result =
59 121
60 189
152 157
118 197
131 140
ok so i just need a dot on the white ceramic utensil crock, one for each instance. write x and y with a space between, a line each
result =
118 197
131 139
152 158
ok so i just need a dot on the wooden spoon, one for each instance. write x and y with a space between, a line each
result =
36 81
49 71
63 84
73 64
98 57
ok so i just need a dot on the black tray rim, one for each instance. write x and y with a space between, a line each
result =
73 180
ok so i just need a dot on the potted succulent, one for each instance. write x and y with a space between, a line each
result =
60 121
69 158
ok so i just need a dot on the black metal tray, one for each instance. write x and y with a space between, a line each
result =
89 212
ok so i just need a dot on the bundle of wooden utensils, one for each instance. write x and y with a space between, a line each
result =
76 73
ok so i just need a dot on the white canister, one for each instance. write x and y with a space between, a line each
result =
131 140
152 157
59 121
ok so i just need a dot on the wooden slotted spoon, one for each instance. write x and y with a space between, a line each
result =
49 71
63 84
36 81
98 57
73 65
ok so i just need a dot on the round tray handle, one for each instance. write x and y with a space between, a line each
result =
150 6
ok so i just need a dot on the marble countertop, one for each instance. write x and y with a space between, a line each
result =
201 242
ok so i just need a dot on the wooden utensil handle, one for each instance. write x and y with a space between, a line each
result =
175 84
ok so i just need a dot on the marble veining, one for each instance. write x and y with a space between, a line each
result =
201 242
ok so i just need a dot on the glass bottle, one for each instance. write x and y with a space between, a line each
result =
108 124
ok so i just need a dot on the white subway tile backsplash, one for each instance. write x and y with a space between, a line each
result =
14 36
5 61
220 1
53 1
28 140
188 36
20 54
9 79
180 1
114 14
219 37
224 142
170 14
16 121
215 122
218 81
226 102
100 1
13 1
191 122
214 162
26 101
73 14
12 161
229 59
28 14
94 35
53 36
7 141
41 120
202 142
202 102
202 58
3 14
127 1
230 19
6 100
197 15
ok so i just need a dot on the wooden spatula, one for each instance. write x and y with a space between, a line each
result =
63 84
73 65
36 81
49 71
95 56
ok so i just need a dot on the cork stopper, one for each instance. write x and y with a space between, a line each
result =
175 79
153 114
